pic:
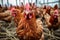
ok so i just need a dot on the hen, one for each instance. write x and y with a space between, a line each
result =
28 28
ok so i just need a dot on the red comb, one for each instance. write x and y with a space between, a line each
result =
13 10
27 6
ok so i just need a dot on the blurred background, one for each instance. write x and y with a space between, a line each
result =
37 2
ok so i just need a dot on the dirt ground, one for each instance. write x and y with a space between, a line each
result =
8 32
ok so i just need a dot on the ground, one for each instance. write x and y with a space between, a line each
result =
8 32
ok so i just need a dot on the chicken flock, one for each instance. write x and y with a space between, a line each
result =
29 20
